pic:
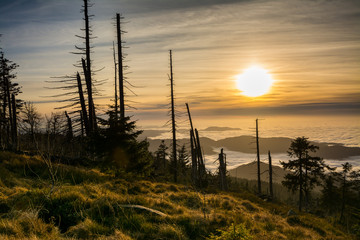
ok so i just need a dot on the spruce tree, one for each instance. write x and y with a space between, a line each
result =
305 170
161 157
8 90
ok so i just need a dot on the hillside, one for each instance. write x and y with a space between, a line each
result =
246 144
249 171
88 204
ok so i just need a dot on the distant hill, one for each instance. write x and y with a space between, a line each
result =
249 172
151 133
246 144
213 128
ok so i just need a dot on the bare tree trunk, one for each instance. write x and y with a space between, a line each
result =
87 70
7 84
306 190
193 159
116 96
201 165
190 120
83 106
6 102
258 157
121 73
194 166
90 98
82 123
342 211
301 184
270 177
4 105
1 129
14 126
70 131
173 120
87 42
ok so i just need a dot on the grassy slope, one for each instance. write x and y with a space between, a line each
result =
87 204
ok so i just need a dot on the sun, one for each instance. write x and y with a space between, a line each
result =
254 81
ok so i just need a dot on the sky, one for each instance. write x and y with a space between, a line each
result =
311 48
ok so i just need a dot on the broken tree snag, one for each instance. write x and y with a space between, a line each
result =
196 155
91 108
69 125
270 177
201 165
83 106
194 170
190 120
81 124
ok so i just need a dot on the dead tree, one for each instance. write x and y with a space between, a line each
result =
201 165
80 102
86 66
31 119
69 126
174 158
270 177
91 108
194 166
198 166
14 128
258 158
87 42
115 93
120 68
222 170
83 113
193 146
81 124
7 89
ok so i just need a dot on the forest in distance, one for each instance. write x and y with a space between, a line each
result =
89 172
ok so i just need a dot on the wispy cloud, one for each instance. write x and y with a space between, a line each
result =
310 47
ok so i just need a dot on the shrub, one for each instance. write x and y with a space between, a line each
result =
239 232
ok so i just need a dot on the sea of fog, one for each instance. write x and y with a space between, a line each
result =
235 159
330 129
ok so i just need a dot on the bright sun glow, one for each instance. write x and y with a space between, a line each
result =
254 81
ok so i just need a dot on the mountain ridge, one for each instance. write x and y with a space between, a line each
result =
277 145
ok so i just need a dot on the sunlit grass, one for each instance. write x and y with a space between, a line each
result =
88 204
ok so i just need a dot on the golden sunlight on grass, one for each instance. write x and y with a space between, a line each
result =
254 81
88 204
